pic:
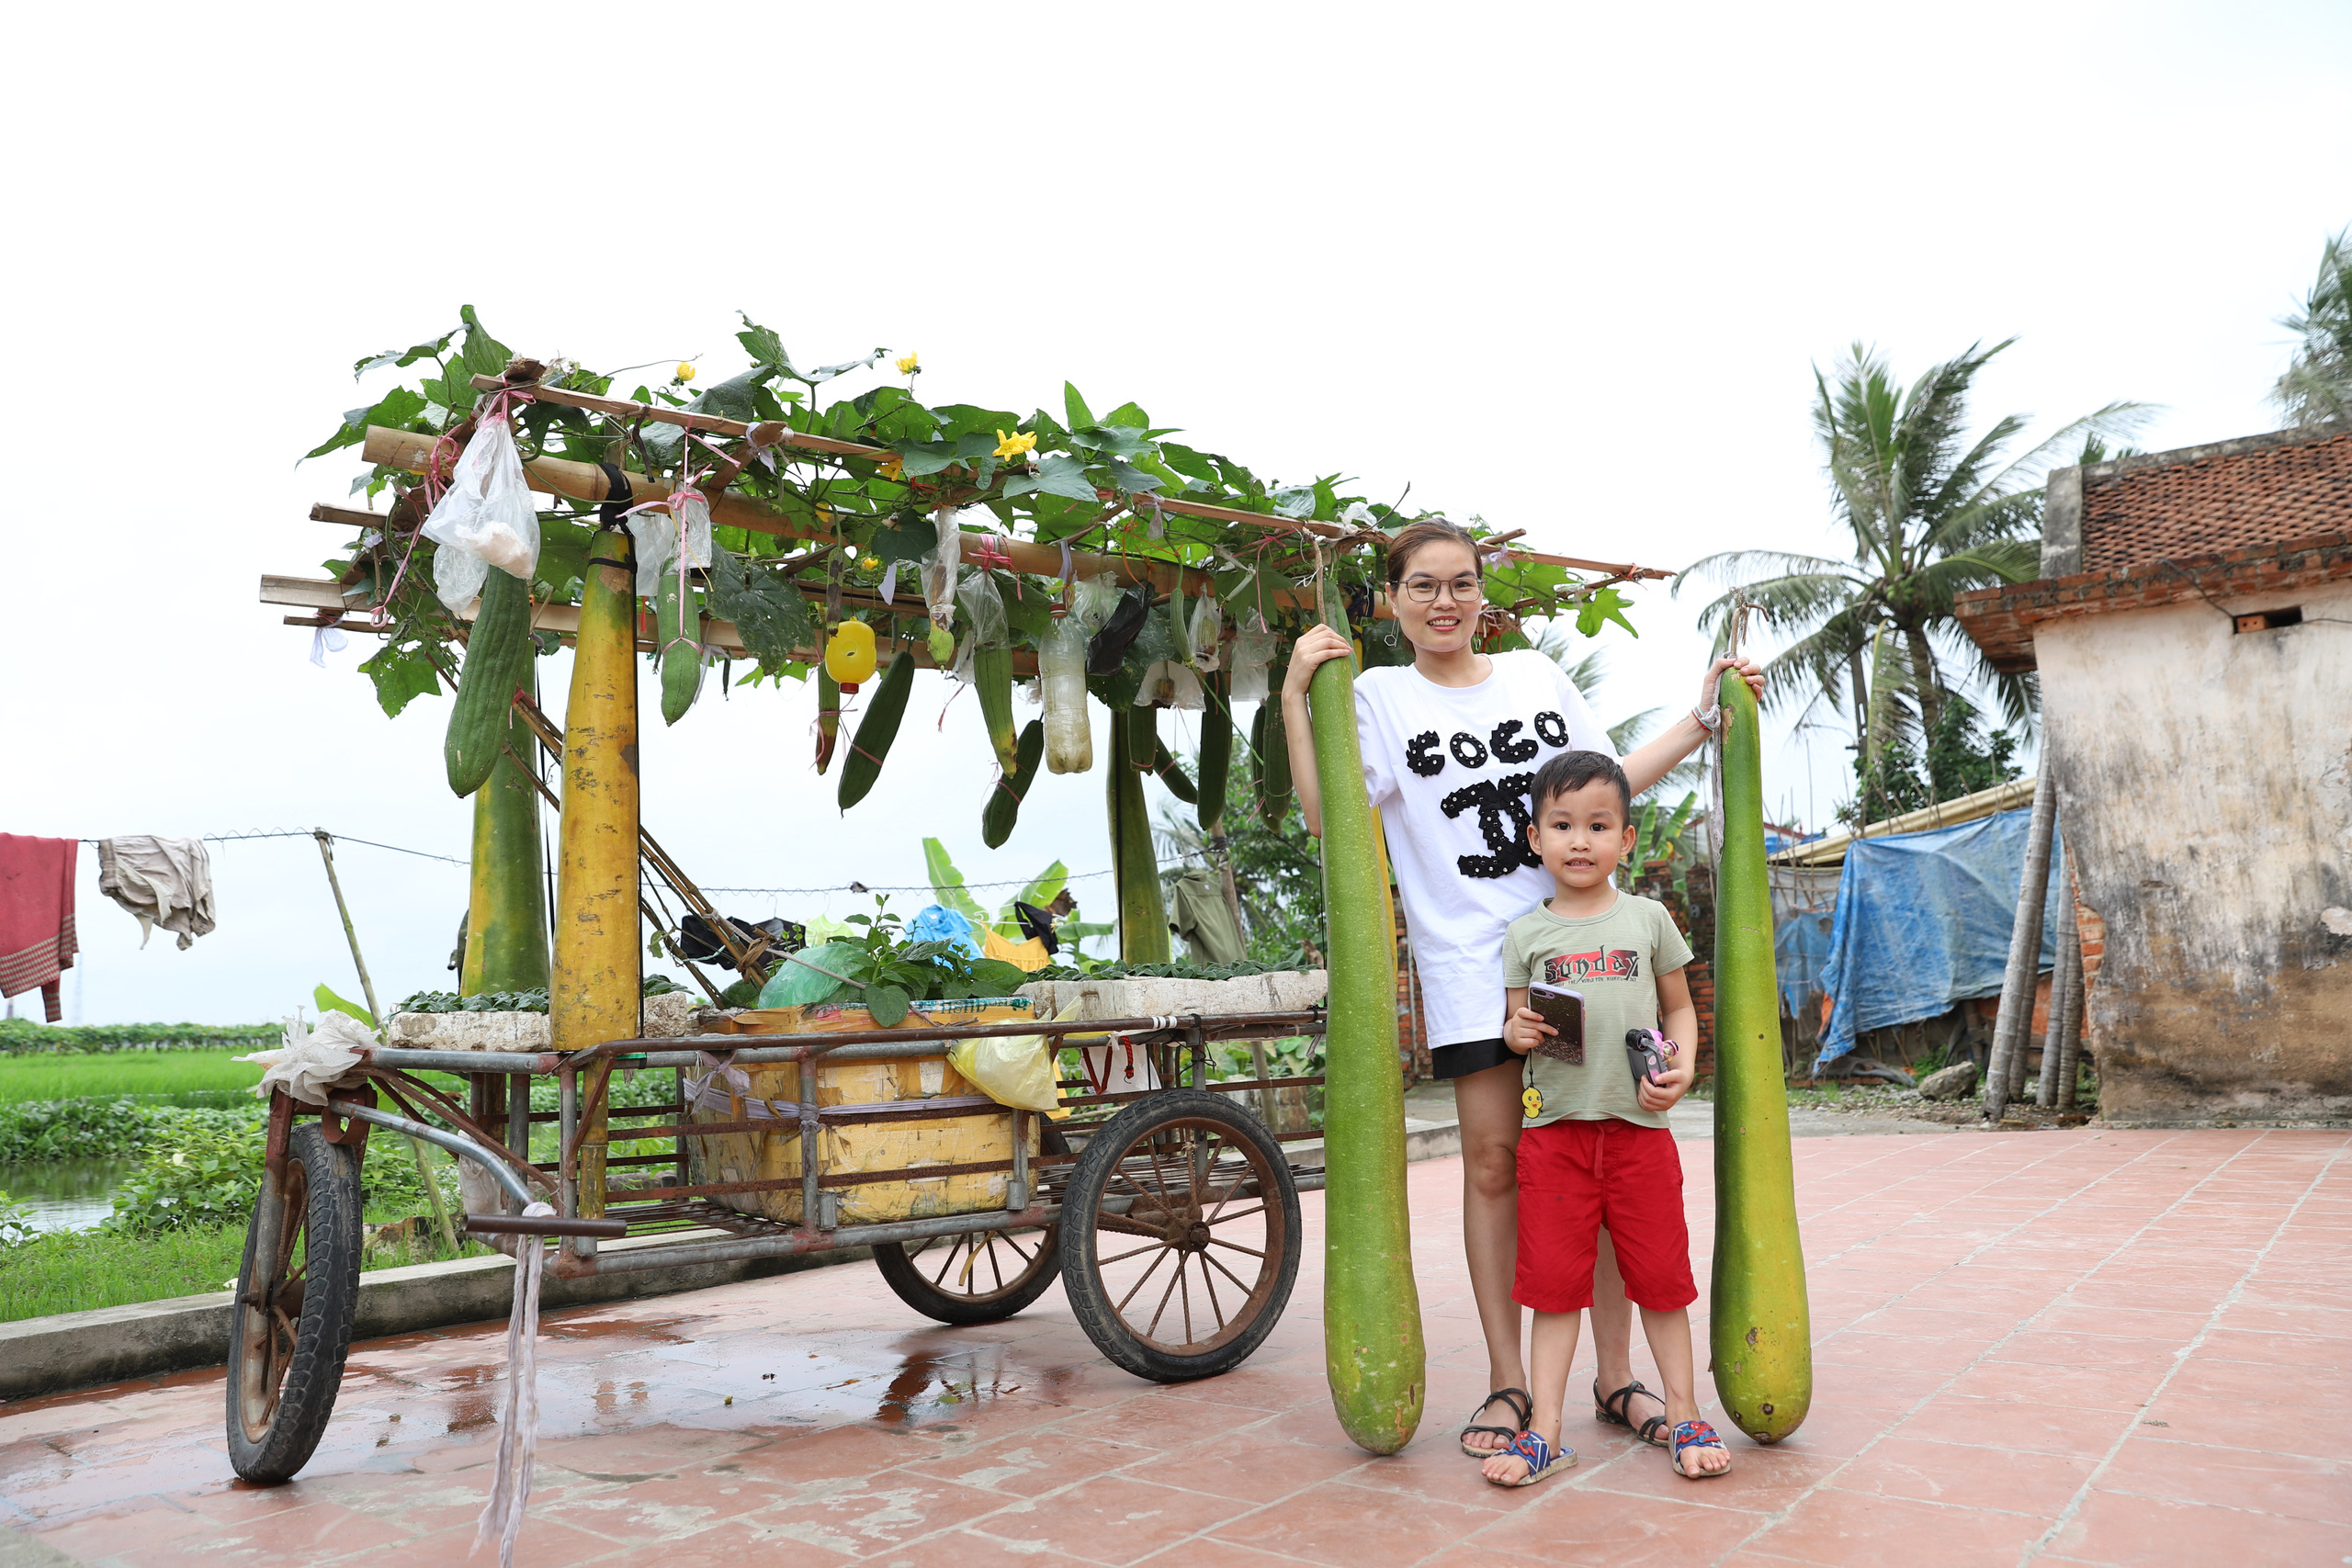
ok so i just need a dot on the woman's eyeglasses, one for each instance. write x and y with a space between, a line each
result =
1424 589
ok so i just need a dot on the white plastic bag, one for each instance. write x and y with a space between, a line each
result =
663 536
1095 598
1061 683
1018 1071
983 606
939 569
1169 684
486 513
1207 631
312 1060
1252 651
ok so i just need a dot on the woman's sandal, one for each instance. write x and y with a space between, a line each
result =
1612 1411
1531 1448
1697 1434
1518 1403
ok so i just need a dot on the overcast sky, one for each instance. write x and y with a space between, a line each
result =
1564 267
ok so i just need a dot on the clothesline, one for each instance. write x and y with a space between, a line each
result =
844 888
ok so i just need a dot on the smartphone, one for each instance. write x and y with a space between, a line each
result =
1564 1010
1647 1053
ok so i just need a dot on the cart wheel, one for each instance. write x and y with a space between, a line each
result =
291 1324
975 1275
1180 1235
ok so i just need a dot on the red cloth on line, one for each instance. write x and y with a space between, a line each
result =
37 941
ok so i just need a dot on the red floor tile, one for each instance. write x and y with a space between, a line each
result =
1113 1520
2156 1464
1851 1530
2146 1532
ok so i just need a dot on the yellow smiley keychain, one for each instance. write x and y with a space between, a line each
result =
1531 1100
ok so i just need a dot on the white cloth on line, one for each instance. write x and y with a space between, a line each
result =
163 882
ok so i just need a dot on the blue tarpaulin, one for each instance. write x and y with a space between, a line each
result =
1922 921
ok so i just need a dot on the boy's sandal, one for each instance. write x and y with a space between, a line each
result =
1537 1454
1697 1434
1516 1402
1612 1411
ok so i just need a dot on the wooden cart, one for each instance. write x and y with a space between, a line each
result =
1170 1212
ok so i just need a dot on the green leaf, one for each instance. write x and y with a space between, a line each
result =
393 411
908 539
1602 606
1132 480
1074 406
483 354
948 882
769 614
995 977
1129 414
920 457
401 672
327 1002
1064 474
1046 888
431 348
888 1003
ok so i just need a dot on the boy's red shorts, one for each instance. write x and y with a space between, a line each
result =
1575 1177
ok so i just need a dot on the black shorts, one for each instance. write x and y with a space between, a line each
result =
1459 1061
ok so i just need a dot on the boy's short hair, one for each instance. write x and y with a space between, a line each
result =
1574 770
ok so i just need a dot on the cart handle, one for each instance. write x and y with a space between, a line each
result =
543 1224
465 1148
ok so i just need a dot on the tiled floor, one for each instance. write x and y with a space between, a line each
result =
2087 1346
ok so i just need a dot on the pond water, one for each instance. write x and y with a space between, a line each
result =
66 1194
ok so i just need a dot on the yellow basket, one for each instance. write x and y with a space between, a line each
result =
983 1136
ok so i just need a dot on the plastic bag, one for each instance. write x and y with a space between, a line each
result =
1252 651
983 606
798 983
1061 683
937 922
312 1060
1017 1071
1206 632
939 569
1169 684
1095 598
662 537
486 513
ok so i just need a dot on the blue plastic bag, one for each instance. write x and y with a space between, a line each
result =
940 923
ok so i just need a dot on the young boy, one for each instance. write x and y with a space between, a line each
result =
1596 1150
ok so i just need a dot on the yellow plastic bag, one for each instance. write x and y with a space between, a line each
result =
1016 1070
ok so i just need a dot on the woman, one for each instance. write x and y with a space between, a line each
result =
1450 745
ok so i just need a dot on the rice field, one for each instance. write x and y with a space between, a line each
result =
163 1077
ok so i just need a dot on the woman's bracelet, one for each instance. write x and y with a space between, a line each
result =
1712 721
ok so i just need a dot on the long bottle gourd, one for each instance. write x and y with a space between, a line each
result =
1003 809
1372 1351
877 730
677 629
506 903
1216 751
1760 1330
1143 910
993 681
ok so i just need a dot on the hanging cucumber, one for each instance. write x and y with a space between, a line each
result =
1270 735
1760 1331
677 626
877 730
1179 784
1217 750
829 716
992 679
498 658
1372 1317
1143 912
1006 794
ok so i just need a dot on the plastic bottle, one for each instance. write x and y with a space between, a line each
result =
1061 681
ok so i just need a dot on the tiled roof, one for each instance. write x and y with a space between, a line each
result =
2234 496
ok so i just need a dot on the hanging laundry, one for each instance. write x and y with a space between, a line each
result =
163 882
1198 913
1038 925
37 941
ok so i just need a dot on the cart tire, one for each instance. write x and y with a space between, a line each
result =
286 1352
1191 1176
975 1275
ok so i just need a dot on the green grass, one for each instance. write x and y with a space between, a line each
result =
187 1077
99 1268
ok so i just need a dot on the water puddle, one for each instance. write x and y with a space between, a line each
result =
65 1194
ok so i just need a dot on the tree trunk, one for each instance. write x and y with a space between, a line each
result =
1931 703
2062 1011
2011 1024
1862 702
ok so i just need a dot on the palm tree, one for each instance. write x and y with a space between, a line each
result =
2317 386
1932 514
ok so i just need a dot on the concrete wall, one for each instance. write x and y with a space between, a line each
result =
2205 787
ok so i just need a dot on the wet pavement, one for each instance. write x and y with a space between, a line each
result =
2124 1347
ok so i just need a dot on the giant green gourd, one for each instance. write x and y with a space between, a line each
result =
829 716
877 730
1371 1315
497 660
1217 750
1143 910
677 628
1003 809
506 905
1760 1331
1270 735
992 680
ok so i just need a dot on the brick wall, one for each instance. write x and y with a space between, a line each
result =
2243 494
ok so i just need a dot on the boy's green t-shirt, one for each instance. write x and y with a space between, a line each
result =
1615 960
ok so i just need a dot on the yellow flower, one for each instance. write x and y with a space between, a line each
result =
909 363
871 563
1015 445
686 371
891 465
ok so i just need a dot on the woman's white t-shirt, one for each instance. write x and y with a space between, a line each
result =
1449 768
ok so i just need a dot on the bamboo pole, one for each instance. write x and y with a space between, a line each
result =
2016 1017
597 987
2061 997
